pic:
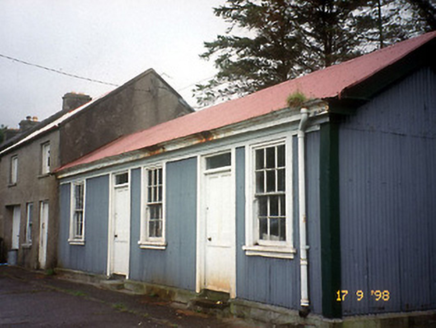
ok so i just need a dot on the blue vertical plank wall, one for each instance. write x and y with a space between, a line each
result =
388 191
175 266
277 281
92 256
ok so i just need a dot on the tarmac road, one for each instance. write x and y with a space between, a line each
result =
31 299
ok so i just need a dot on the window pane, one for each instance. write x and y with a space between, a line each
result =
260 182
270 157
160 181
281 156
281 180
282 204
263 229
263 206
282 229
259 159
217 161
159 199
121 178
273 205
271 181
274 229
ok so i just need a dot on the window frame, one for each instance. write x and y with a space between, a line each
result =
29 223
45 158
77 239
254 245
147 241
13 178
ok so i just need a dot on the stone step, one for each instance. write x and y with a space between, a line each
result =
112 284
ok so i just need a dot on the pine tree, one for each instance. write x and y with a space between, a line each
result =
282 39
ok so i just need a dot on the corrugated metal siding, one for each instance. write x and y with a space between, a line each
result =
91 257
387 189
265 280
313 220
277 281
64 225
176 265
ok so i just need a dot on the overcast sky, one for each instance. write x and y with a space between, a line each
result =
107 40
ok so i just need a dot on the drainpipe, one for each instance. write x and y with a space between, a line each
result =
304 302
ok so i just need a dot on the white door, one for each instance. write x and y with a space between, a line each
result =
219 214
16 227
121 230
43 230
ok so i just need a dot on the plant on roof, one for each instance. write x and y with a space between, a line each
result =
296 99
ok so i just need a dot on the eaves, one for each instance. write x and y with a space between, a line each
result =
318 110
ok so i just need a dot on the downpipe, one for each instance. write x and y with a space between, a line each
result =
304 302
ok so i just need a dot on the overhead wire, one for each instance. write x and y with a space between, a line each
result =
58 71
86 78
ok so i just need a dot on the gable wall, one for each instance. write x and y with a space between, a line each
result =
387 199
145 102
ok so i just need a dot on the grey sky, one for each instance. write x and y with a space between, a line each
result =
107 40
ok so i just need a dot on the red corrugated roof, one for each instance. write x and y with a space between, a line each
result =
326 83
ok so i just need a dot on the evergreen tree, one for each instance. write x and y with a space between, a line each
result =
282 39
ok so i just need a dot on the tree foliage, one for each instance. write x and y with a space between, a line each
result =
271 41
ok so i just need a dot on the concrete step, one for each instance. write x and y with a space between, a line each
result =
114 285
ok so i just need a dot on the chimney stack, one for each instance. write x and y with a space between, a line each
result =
72 100
28 123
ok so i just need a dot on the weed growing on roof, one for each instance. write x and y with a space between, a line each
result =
296 99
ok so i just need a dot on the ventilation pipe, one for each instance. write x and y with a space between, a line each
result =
304 302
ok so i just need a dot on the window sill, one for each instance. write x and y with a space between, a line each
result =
44 175
76 242
26 245
269 251
152 245
12 185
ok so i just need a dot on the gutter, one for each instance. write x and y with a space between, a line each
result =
304 302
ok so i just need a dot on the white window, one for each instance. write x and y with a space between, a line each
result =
153 222
45 158
29 223
77 221
14 170
269 226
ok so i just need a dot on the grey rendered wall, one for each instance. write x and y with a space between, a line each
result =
144 101
91 257
388 191
277 281
175 266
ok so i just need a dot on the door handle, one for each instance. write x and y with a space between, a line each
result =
116 236
210 238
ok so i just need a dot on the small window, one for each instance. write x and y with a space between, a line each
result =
29 223
77 226
121 179
153 228
45 158
217 161
14 170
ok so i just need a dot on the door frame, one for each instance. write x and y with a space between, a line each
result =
42 250
16 216
111 219
201 217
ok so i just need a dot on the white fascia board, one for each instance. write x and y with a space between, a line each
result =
317 112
